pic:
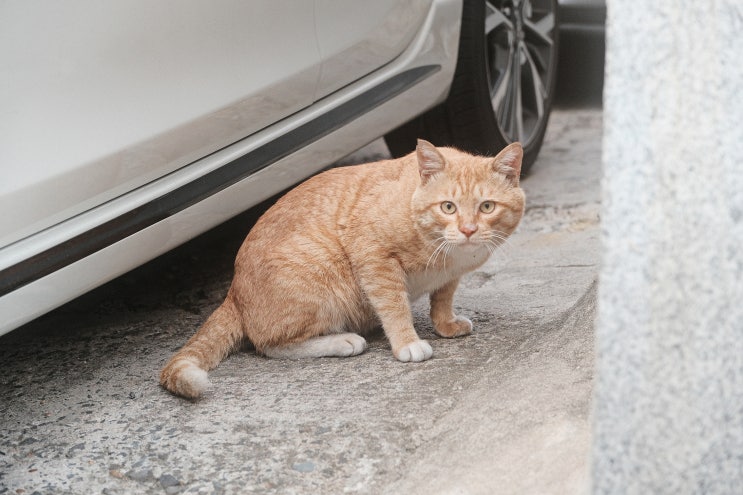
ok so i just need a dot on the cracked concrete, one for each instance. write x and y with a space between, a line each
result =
502 411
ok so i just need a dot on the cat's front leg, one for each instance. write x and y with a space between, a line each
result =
385 287
445 322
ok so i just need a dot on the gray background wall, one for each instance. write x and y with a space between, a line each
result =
668 413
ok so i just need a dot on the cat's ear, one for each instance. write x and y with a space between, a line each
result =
508 162
430 161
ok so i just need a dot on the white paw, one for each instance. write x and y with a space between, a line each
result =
350 344
417 351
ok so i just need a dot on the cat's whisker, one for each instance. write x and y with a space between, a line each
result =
505 245
499 235
499 240
502 243
436 242
495 245
445 251
432 257
449 247
436 252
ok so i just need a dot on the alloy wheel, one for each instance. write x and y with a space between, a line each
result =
520 58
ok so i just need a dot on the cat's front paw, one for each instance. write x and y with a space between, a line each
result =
458 327
417 351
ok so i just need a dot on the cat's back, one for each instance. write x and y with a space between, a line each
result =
317 209
345 187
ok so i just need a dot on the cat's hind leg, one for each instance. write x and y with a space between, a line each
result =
333 345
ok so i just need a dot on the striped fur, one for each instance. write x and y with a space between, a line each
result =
348 250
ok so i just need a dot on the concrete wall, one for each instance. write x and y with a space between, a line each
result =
668 414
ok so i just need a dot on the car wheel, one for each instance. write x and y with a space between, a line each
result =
503 85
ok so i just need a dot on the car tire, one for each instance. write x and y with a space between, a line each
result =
490 105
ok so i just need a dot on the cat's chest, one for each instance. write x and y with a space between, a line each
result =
430 279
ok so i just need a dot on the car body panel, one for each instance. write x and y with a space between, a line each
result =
355 35
434 45
120 94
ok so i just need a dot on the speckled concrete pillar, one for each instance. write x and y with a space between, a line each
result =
668 414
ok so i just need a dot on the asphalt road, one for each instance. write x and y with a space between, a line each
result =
82 412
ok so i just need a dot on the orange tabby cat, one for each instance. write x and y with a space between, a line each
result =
349 250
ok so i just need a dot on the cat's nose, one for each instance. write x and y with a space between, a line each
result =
468 229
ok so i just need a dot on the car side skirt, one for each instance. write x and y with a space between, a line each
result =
159 209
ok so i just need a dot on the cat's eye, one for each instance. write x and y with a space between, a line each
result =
448 207
487 206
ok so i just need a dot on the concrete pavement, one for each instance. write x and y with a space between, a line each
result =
505 410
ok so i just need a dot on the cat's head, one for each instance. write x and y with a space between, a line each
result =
468 200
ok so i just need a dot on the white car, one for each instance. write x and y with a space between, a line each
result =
128 128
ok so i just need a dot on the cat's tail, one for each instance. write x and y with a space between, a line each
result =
221 334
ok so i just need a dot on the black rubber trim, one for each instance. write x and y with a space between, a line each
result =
169 204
